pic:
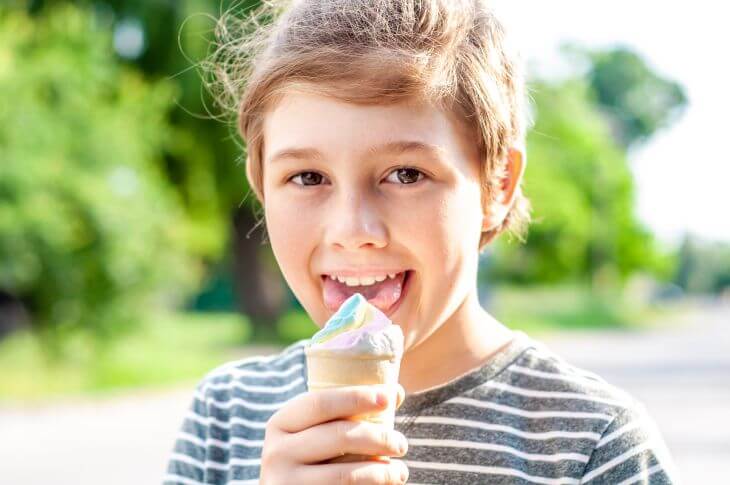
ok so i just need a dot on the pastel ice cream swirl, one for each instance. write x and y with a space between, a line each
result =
359 328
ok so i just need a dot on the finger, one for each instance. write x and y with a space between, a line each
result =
363 472
401 396
336 438
320 406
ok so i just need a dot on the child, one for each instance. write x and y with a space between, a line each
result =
384 141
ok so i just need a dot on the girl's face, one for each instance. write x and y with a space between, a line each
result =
337 203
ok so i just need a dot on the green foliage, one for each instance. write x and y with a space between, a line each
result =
582 192
545 309
164 349
638 101
295 325
91 234
704 267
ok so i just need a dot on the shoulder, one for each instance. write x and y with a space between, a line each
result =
224 425
273 378
542 374
624 442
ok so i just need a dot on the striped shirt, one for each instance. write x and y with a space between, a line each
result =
525 417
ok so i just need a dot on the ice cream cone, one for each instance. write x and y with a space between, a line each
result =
359 345
329 371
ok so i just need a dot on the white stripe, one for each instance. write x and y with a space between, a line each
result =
214 464
218 443
283 356
494 447
507 429
236 401
244 442
186 481
172 477
562 363
528 414
266 373
615 462
197 463
182 435
641 475
236 441
610 437
491 470
236 373
188 460
552 394
244 462
579 378
208 420
262 389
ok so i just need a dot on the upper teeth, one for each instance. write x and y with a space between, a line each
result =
363 280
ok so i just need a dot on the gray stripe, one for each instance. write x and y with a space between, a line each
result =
523 435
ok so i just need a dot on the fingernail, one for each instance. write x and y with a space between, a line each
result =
403 472
381 398
402 444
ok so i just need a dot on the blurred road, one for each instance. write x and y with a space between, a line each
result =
682 374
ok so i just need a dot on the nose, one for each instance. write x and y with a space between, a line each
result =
354 222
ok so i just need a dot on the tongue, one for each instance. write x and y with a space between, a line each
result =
382 295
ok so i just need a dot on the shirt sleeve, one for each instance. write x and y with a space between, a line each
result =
186 464
631 450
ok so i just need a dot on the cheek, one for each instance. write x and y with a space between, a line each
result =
291 235
449 235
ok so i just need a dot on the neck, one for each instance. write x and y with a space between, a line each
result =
462 343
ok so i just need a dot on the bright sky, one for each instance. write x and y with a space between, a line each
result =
682 174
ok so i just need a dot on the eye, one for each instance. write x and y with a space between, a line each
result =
308 178
407 175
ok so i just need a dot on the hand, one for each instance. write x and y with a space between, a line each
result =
314 427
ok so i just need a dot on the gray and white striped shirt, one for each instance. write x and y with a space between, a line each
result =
525 417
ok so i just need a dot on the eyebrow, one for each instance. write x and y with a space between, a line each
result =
390 148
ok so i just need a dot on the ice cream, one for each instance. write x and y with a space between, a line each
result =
359 329
358 345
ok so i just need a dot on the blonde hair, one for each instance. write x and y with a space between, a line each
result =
451 52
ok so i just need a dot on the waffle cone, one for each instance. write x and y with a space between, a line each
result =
328 371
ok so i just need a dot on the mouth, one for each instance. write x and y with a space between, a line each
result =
386 295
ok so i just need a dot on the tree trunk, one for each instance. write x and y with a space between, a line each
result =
13 314
258 284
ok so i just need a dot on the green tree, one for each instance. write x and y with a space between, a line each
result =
636 100
204 163
91 235
704 267
582 192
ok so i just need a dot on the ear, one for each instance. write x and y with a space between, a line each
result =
501 205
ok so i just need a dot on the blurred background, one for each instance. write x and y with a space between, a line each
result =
131 260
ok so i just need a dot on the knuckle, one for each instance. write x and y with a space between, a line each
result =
397 473
268 453
359 399
386 438
345 477
322 405
342 435
271 424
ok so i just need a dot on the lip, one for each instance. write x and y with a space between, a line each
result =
361 273
403 294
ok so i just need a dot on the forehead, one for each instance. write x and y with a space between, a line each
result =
303 119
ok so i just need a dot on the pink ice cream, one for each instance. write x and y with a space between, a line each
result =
359 328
